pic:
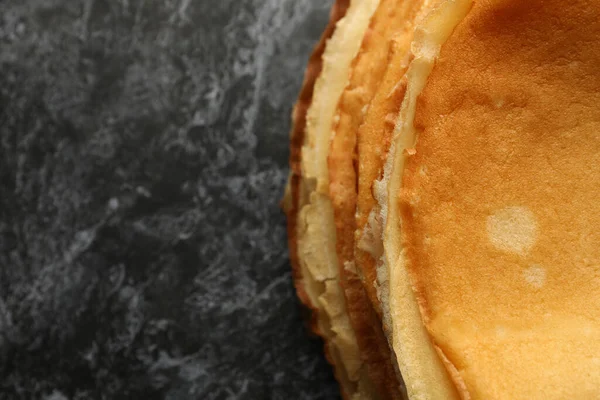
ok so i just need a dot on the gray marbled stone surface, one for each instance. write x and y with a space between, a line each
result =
143 153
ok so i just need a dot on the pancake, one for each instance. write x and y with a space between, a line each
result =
372 145
383 48
313 231
291 201
499 205
420 365
373 140
443 196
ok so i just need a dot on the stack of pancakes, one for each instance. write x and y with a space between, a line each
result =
444 198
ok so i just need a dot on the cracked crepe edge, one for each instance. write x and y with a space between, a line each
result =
377 66
373 143
291 200
305 201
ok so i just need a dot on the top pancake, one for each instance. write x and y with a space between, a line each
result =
372 141
420 365
500 201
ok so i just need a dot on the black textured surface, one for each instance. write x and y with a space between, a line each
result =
143 153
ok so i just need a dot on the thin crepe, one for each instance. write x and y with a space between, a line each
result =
291 203
488 279
310 217
499 205
380 57
372 144
420 365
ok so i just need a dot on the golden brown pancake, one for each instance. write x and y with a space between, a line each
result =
291 201
291 198
423 371
372 144
477 246
500 201
383 42
316 239
313 229
373 140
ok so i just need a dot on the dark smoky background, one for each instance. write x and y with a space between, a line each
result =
143 154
